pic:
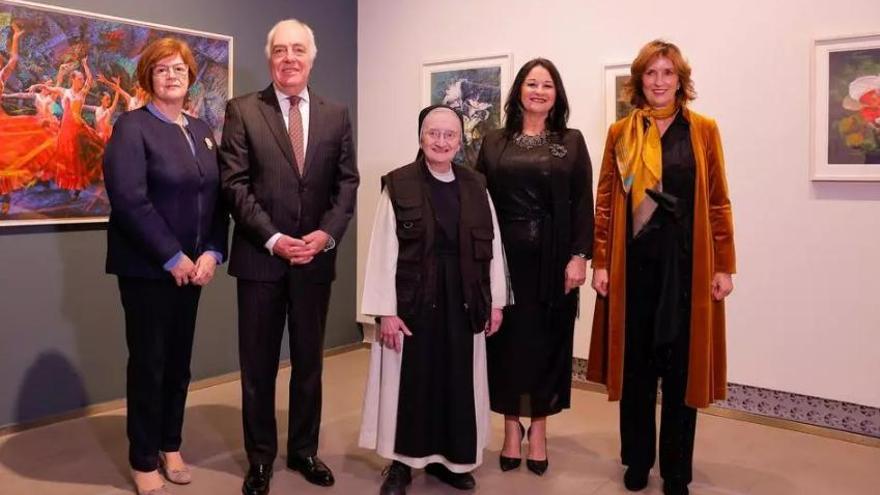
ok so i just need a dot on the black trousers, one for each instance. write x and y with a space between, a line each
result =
644 364
160 320
263 309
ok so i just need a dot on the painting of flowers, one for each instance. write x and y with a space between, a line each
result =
854 107
846 108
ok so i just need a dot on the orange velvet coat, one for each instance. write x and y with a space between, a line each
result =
713 252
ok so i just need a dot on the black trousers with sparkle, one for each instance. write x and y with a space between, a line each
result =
643 366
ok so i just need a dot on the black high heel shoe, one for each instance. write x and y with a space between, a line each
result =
537 467
510 463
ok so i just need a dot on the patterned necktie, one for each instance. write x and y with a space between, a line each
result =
295 131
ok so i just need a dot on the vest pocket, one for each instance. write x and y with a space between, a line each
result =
482 239
481 295
409 223
481 302
408 284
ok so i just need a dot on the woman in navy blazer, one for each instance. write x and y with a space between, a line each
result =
166 235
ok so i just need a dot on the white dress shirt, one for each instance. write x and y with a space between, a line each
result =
284 103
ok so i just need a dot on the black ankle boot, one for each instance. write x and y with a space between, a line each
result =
461 481
397 477
675 487
635 479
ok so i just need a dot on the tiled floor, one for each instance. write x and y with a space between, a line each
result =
88 456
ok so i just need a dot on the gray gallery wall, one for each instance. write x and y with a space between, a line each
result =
61 335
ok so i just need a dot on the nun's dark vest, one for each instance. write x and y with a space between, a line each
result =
416 277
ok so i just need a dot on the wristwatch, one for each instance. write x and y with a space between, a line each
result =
580 255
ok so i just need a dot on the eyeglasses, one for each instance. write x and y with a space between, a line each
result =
180 71
436 134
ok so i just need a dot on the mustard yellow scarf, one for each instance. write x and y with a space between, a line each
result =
640 160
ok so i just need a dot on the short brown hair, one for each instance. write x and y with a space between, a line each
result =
632 88
156 51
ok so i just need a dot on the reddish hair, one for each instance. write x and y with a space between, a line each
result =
158 50
632 88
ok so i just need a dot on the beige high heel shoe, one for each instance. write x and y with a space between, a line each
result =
177 476
162 490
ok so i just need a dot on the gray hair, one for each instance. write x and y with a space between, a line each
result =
312 48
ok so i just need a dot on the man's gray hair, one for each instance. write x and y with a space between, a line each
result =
312 49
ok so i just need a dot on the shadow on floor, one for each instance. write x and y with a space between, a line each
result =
57 453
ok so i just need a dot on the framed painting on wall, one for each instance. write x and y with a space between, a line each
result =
846 109
616 107
474 86
65 76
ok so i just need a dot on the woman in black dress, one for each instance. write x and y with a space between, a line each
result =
539 175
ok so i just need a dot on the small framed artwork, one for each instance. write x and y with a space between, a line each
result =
476 87
846 109
616 107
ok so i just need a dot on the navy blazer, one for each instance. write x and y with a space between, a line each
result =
163 199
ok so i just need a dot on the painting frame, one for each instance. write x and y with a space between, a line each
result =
225 81
827 133
435 72
611 73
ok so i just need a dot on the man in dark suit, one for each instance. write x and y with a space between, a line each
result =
289 176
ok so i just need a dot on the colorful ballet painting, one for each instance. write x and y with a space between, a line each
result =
64 78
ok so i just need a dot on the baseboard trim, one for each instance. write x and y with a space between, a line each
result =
578 382
776 408
788 424
785 424
112 405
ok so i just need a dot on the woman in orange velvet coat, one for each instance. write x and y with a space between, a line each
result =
663 256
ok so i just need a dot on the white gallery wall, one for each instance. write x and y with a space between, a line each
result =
805 315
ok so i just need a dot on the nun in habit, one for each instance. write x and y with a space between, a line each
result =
435 281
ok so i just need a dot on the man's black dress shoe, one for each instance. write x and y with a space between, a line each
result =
257 480
397 477
462 481
313 469
635 479
674 487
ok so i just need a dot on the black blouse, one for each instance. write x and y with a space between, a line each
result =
544 200
665 243
679 165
